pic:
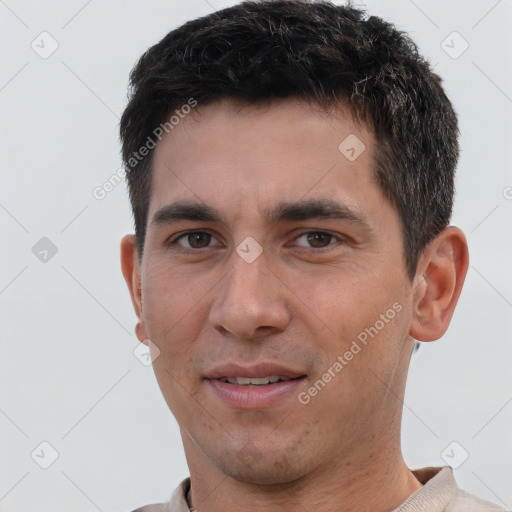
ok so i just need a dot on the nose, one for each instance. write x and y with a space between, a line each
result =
251 301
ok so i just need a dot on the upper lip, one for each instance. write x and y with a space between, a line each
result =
254 371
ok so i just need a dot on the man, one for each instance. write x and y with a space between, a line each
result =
291 172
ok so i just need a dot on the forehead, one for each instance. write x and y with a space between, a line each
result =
242 158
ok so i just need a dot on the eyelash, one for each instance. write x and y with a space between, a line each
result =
174 240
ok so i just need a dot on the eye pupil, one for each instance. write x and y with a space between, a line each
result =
318 239
199 240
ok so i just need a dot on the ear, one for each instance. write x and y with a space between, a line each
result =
442 268
132 276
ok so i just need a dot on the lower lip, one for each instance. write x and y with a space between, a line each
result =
257 397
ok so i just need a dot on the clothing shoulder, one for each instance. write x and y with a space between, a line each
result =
157 507
177 503
463 501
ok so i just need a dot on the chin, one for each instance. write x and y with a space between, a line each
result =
252 466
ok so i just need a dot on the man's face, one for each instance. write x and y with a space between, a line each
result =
295 263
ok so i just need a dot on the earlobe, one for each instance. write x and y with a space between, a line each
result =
132 276
441 272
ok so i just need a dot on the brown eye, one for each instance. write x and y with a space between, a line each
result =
198 240
195 240
318 238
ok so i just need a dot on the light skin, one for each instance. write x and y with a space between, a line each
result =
319 281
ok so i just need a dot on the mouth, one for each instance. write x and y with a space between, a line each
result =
256 393
257 386
256 381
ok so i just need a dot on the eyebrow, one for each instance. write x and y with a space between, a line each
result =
281 212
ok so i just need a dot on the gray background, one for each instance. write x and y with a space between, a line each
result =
68 374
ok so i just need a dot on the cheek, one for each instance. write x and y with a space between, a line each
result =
364 323
346 303
170 293
173 311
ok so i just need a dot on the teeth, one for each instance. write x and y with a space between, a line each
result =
254 381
